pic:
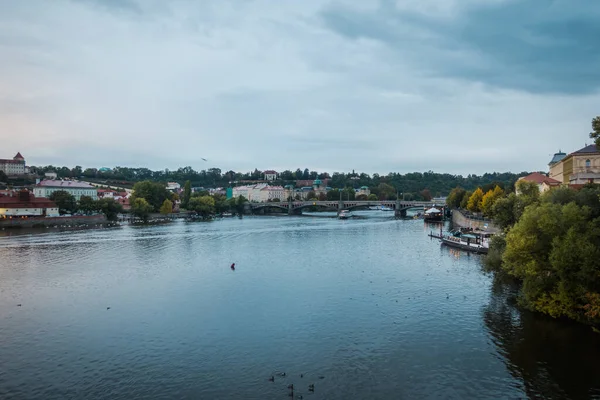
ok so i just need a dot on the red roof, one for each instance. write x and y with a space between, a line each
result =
19 156
25 200
540 178
270 172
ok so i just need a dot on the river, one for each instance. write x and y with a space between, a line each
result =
363 309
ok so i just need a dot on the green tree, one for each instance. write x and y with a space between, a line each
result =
141 208
465 200
65 201
167 207
426 195
110 208
595 134
87 205
474 203
204 206
372 197
187 194
455 197
153 192
527 188
503 211
385 191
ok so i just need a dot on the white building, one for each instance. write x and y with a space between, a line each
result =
270 193
50 175
270 175
14 166
259 193
24 204
75 188
173 186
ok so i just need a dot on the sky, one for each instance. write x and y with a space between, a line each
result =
457 86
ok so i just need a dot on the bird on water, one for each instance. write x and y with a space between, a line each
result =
233 267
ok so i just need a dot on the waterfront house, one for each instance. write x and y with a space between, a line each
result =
14 166
544 182
580 167
76 188
24 204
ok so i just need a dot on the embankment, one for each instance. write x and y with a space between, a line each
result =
52 221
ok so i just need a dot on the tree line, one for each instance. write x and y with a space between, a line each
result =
415 185
67 204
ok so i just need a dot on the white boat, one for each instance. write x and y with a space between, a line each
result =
381 208
345 214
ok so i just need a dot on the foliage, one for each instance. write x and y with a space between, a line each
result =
553 246
64 201
87 205
3 177
474 203
455 197
426 195
141 208
465 199
490 198
110 208
362 197
187 193
527 188
167 207
154 193
204 206
311 195
493 260
372 197
595 134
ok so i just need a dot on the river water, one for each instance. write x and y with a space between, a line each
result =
363 309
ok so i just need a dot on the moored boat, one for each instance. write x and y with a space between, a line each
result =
433 214
471 241
345 214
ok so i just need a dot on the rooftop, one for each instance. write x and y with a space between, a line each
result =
25 199
540 178
65 184
557 157
592 148
270 172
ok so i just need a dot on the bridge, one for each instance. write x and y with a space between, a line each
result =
295 207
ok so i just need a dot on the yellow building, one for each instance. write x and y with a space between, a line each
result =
579 167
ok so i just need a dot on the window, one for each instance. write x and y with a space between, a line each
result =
588 163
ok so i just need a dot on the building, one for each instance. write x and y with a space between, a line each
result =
50 175
173 186
579 167
24 204
14 166
364 191
75 188
259 193
270 193
544 182
270 175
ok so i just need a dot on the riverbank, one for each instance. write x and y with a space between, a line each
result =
460 219
83 220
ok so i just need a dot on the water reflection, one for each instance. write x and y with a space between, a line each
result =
545 354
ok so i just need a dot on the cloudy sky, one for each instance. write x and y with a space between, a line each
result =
460 86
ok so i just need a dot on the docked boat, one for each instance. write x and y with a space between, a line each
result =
433 214
380 208
476 242
345 214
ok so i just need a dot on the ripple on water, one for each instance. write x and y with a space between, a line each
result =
373 306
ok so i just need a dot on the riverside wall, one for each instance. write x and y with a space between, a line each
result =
52 221
465 221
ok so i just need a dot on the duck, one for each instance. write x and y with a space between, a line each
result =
311 387
272 379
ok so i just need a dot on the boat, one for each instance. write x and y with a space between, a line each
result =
476 242
380 208
345 214
433 214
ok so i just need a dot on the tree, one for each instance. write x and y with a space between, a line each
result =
474 203
455 197
595 134
527 188
154 193
385 191
503 211
362 197
3 177
87 205
167 207
372 197
426 194
110 208
465 199
65 201
187 194
204 206
489 199
141 208
311 195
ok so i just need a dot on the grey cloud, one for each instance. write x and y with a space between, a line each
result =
541 46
